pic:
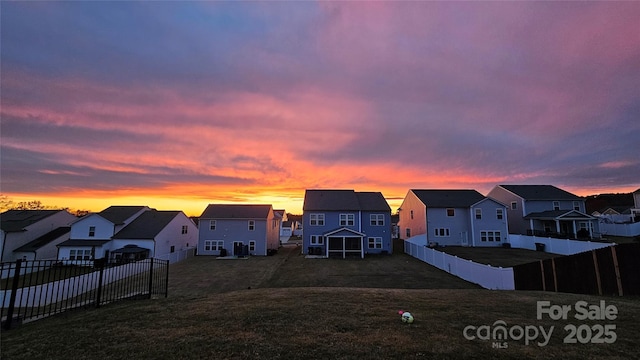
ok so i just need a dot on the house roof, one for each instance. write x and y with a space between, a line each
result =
18 220
448 198
44 239
146 226
344 200
278 213
540 192
558 214
236 211
73 242
118 214
130 249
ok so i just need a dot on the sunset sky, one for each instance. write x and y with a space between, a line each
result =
176 105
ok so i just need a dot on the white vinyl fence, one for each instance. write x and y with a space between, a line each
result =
178 255
614 229
555 246
487 276
53 292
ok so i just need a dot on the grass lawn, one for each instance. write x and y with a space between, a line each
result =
288 307
497 256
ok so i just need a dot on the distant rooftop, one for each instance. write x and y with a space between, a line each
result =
448 198
344 200
236 211
540 192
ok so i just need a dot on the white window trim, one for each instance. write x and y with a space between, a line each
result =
316 219
377 242
316 240
214 245
490 236
478 214
212 225
500 214
453 212
556 205
514 205
376 219
437 232
576 205
251 225
347 219
252 245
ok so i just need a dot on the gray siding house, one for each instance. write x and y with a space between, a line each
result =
453 217
345 223
238 230
545 210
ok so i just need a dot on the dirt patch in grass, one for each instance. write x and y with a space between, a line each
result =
497 256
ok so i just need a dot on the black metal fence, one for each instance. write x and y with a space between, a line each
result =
30 290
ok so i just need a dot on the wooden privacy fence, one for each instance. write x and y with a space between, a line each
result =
613 270
41 288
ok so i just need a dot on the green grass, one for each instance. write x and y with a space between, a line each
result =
288 307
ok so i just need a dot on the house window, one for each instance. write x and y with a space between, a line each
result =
185 229
490 236
252 245
411 214
441 232
75 254
252 225
316 219
375 243
499 214
451 212
347 219
212 225
576 205
556 205
514 205
213 245
317 240
173 248
478 214
377 219
92 231
408 232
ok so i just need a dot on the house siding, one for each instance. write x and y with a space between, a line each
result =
13 240
104 229
489 222
458 226
515 218
265 235
417 224
383 231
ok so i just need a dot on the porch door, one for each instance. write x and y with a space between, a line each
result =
464 238
237 248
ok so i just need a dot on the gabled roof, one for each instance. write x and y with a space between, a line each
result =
18 220
448 198
344 200
343 231
236 211
44 239
540 192
147 226
118 214
559 215
73 242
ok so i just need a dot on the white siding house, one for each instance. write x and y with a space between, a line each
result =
21 227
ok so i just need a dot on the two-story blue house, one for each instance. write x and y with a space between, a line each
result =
453 217
238 230
345 223
545 210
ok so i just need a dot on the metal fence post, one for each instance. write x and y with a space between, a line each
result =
14 290
100 273
166 281
151 276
